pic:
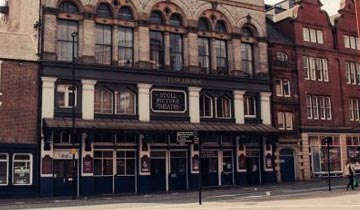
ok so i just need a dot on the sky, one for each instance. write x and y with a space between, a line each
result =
331 6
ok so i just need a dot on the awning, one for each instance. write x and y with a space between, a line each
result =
136 125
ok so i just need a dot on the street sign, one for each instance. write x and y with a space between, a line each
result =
185 137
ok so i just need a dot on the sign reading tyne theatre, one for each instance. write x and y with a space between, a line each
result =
173 101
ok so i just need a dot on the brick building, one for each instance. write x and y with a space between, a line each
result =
285 103
19 88
327 55
145 73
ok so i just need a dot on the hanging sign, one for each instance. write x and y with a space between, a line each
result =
185 137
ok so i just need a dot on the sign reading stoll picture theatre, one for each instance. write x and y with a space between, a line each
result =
170 101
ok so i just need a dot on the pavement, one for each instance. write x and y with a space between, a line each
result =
312 194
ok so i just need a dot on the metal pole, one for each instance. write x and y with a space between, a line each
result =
328 147
74 174
200 175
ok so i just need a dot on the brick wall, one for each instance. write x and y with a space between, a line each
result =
18 112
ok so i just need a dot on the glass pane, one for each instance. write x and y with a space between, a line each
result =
120 165
203 24
22 171
130 166
3 172
97 167
108 167
125 13
227 164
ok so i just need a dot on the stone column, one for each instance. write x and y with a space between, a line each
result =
87 41
194 104
144 102
306 156
236 51
115 44
239 113
167 50
88 87
143 51
50 36
265 108
193 59
48 96
47 107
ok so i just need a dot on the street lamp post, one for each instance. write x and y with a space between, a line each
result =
74 171
328 141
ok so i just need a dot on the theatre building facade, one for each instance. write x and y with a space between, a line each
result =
166 94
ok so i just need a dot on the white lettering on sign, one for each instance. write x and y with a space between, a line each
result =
65 155
170 101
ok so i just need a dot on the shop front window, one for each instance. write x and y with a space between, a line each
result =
320 156
178 162
353 152
22 169
125 163
4 167
103 163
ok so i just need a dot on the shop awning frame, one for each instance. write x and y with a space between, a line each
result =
136 125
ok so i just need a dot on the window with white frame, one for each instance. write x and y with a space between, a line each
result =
22 169
125 102
250 106
353 143
285 120
282 87
206 106
318 107
103 102
351 42
354 109
125 163
313 35
223 107
66 96
352 73
316 69
103 163
4 169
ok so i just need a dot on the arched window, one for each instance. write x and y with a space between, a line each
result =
68 7
206 106
204 24
125 102
246 32
221 27
104 10
103 101
176 20
125 13
247 50
156 18
223 107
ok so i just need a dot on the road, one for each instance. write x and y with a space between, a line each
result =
283 197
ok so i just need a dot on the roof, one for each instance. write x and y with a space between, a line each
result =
17 46
136 125
276 36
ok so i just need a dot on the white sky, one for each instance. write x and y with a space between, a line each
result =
331 6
